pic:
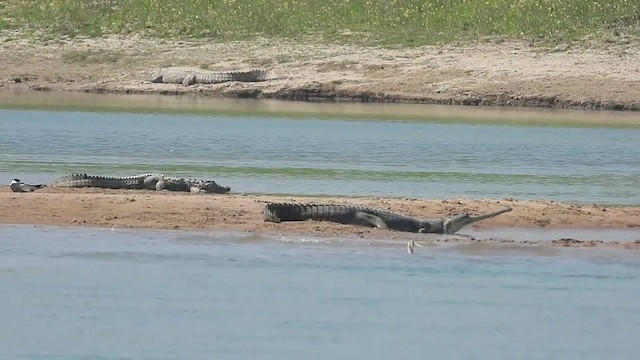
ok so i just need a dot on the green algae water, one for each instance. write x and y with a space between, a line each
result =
260 147
79 293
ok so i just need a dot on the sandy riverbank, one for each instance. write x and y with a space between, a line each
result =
238 212
498 73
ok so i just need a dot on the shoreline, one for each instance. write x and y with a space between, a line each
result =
490 74
240 212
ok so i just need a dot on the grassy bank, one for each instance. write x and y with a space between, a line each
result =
362 21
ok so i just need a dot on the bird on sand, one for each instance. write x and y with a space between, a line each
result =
18 186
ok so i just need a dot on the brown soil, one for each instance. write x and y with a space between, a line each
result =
605 76
239 212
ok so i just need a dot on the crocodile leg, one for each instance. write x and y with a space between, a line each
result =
370 220
157 78
196 190
189 79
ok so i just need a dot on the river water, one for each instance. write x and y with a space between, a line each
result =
78 293
383 150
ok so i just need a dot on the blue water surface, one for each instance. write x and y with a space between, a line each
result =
78 293
319 156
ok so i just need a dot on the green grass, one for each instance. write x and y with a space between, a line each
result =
404 22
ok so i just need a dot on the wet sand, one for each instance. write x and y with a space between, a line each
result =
243 212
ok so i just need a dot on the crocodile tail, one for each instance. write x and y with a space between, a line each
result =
69 180
250 75
262 74
84 180
277 212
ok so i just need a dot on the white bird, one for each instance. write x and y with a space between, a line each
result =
410 245
18 186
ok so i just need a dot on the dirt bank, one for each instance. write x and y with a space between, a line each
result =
605 76
164 210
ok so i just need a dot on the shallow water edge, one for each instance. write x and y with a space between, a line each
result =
332 93
483 241
206 105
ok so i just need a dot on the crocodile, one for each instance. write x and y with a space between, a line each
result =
143 181
370 217
190 75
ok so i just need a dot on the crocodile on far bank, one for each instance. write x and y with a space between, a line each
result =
143 181
370 217
191 75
